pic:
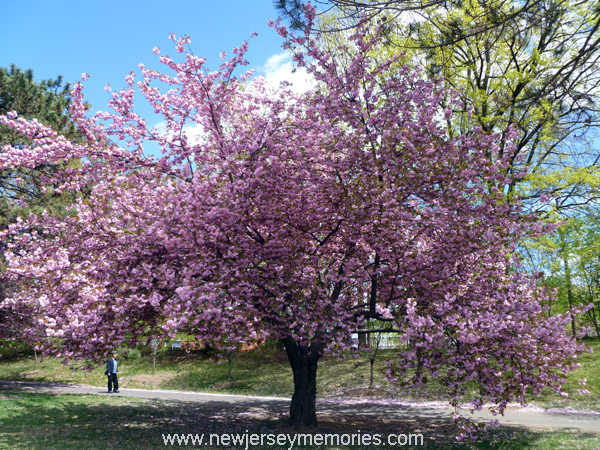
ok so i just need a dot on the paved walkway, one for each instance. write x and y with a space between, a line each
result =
588 421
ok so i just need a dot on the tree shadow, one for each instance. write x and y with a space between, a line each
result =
42 421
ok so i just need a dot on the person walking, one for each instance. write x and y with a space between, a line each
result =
112 367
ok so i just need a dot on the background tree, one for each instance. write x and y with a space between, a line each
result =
24 189
533 65
46 101
295 217
568 261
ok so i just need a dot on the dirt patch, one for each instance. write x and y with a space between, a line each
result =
31 373
147 380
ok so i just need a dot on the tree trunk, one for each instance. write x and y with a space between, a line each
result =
228 366
303 360
154 344
569 284
373 356
592 314
362 341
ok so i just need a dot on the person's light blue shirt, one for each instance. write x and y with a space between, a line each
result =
112 366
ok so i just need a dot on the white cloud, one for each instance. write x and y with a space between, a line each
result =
280 67
194 133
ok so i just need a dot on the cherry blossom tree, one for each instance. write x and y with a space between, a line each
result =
287 216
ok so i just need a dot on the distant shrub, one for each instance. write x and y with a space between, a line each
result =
133 353
11 348
272 344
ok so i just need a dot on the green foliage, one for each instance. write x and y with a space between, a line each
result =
273 344
132 353
569 261
530 65
47 101
516 75
11 348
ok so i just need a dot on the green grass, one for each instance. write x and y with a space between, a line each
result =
262 372
590 371
44 421
267 372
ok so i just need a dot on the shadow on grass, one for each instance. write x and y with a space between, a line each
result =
42 421
243 381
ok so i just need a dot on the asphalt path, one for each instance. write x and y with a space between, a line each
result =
537 418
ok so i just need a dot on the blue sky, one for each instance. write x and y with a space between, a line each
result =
108 39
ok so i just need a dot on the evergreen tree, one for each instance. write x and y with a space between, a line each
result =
47 101
21 189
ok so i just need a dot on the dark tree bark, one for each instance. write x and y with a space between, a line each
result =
363 341
303 360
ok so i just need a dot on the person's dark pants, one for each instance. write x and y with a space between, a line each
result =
112 380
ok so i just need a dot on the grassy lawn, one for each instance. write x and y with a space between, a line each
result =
260 372
267 372
41 421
